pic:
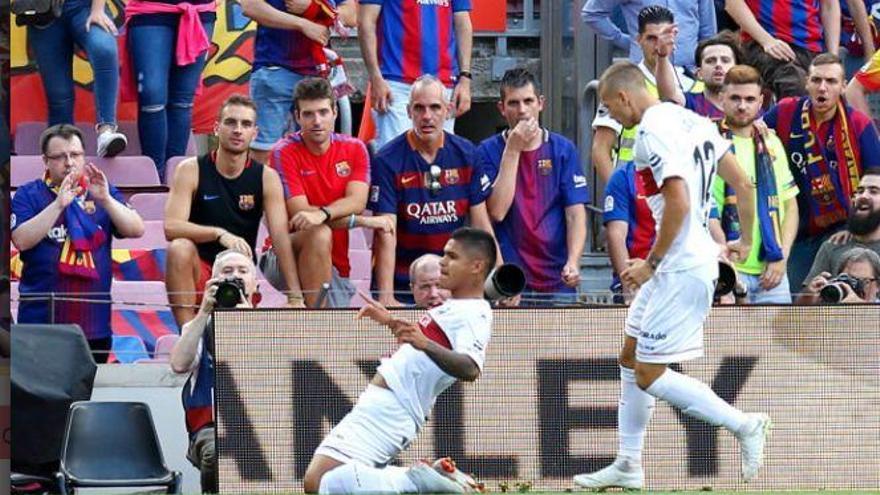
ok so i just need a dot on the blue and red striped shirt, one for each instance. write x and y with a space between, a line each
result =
198 391
625 200
284 47
41 275
797 22
417 37
401 184
533 233
781 118
698 103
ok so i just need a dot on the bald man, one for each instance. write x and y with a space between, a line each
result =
424 282
676 153
427 181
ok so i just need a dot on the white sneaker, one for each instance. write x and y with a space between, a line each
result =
442 477
111 143
429 480
620 474
446 467
751 445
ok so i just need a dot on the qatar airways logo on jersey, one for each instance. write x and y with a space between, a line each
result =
437 3
433 212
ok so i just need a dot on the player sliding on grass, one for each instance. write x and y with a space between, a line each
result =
448 343
676 154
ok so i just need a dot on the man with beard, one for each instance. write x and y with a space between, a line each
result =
656 24
829 144
215 203
538 193
863 225
762 158
324 175
715 56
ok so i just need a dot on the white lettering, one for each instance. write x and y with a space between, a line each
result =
433 212
58 233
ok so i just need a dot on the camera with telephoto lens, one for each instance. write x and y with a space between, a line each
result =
834 291
729 282
230 292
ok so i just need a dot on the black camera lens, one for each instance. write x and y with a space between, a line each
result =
832 293
229 293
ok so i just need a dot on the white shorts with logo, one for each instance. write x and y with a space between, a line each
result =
373 433
668 313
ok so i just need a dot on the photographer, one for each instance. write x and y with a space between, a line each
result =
232 271
856 280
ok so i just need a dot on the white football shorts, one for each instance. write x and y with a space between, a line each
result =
373 433
668 313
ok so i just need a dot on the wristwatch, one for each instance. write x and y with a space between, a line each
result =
466 74
326 211
653 261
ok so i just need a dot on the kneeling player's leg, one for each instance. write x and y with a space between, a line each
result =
330 477
372 434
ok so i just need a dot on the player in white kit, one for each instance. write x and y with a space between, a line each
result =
448 344
677 153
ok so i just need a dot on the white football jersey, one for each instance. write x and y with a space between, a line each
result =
672 142
463 325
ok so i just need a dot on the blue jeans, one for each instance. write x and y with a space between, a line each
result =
165 91
780 294
272 91
53 47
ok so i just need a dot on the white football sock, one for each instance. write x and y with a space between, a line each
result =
357 478
633 414
696 399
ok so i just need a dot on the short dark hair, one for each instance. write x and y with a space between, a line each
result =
313 88
654 14
64 131
516 78
477 241
871 171
725 38
826 58
237 99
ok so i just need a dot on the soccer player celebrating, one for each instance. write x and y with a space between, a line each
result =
448 344
676 154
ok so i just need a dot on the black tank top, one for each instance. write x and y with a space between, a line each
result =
233 204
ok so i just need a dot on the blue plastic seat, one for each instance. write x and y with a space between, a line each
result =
112 444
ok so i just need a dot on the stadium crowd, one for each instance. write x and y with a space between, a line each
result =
777 87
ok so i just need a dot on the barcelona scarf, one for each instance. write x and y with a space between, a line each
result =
832 171
321 12
767 196
83 237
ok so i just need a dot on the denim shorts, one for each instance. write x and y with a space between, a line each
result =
272 91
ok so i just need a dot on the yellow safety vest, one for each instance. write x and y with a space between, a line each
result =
627 138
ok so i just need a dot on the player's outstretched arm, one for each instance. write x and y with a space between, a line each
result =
456 364
459 365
